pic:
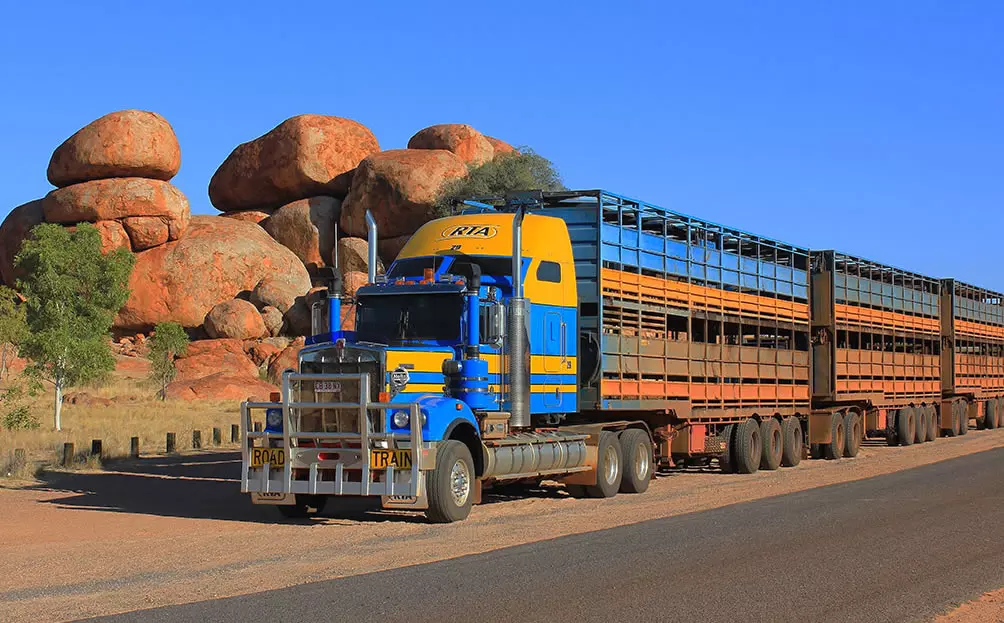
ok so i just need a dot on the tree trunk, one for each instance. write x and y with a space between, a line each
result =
59 405
3 361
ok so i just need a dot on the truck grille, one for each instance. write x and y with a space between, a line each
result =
339 420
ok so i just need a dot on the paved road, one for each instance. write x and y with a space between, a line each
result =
901 547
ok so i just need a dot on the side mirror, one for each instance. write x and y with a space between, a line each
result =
493 324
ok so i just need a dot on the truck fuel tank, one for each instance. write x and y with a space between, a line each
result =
530 454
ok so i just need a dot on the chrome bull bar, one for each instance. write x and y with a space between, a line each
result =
338 476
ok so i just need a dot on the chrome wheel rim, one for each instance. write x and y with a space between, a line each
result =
460 482
610 467
641 462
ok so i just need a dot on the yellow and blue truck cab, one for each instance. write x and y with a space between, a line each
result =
462 368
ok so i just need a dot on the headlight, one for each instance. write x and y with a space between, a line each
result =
401 419
273 419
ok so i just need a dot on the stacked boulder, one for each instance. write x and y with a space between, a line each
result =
115 173
400 187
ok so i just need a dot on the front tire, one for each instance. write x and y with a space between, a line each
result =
636 448
451 484
609 467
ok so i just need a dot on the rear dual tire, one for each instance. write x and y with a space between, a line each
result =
636 449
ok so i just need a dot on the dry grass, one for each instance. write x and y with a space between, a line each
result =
136 413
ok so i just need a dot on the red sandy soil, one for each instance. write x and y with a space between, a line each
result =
987 609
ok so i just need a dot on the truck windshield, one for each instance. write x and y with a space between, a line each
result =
396 318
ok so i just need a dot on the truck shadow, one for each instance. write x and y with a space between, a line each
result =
193 486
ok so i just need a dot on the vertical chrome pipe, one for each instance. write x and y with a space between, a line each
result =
519 349
371 228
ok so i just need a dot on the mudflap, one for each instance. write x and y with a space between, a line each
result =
406 502
820 428
273 499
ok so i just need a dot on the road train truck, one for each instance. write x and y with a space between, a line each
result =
587 338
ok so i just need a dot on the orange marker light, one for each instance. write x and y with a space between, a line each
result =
274 397
429 274
383 397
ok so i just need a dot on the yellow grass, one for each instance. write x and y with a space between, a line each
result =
144 416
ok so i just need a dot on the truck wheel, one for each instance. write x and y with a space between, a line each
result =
609 468
727 459
990 419
636 448
835 449
905 426
953 430
852 433
451 483
773 444
920 416
963 417
747 447
303 505
791 455
932 422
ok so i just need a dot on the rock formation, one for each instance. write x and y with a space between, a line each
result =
400 188
128 143
304 156
468 144
216 260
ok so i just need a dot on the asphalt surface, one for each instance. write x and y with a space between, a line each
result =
900 547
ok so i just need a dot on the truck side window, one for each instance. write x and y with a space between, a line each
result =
549 271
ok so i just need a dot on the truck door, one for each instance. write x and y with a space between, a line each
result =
553 355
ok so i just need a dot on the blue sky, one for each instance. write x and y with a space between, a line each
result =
873 127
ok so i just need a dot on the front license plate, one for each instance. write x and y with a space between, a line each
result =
275 457
327 387
398 459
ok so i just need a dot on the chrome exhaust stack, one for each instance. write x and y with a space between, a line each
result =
371 244
519 349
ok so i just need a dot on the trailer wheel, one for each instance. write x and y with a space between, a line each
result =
963 417
920 416
773 444
852 433
451 483
791 455
906 426
609 467
932 422
953 430
727 459
747 447
835 449
992 419
302 507
636 448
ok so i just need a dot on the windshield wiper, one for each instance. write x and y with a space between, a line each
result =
402 324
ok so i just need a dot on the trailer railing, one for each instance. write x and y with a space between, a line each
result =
332 463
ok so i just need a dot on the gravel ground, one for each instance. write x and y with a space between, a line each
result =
174 530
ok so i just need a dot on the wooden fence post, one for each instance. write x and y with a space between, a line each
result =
96 447
19 459
170 443
235 433
67 454
196 439
257 427
134 447
217 436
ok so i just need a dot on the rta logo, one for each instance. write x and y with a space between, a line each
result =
470 231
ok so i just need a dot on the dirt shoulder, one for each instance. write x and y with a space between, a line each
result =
174 530
987 609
